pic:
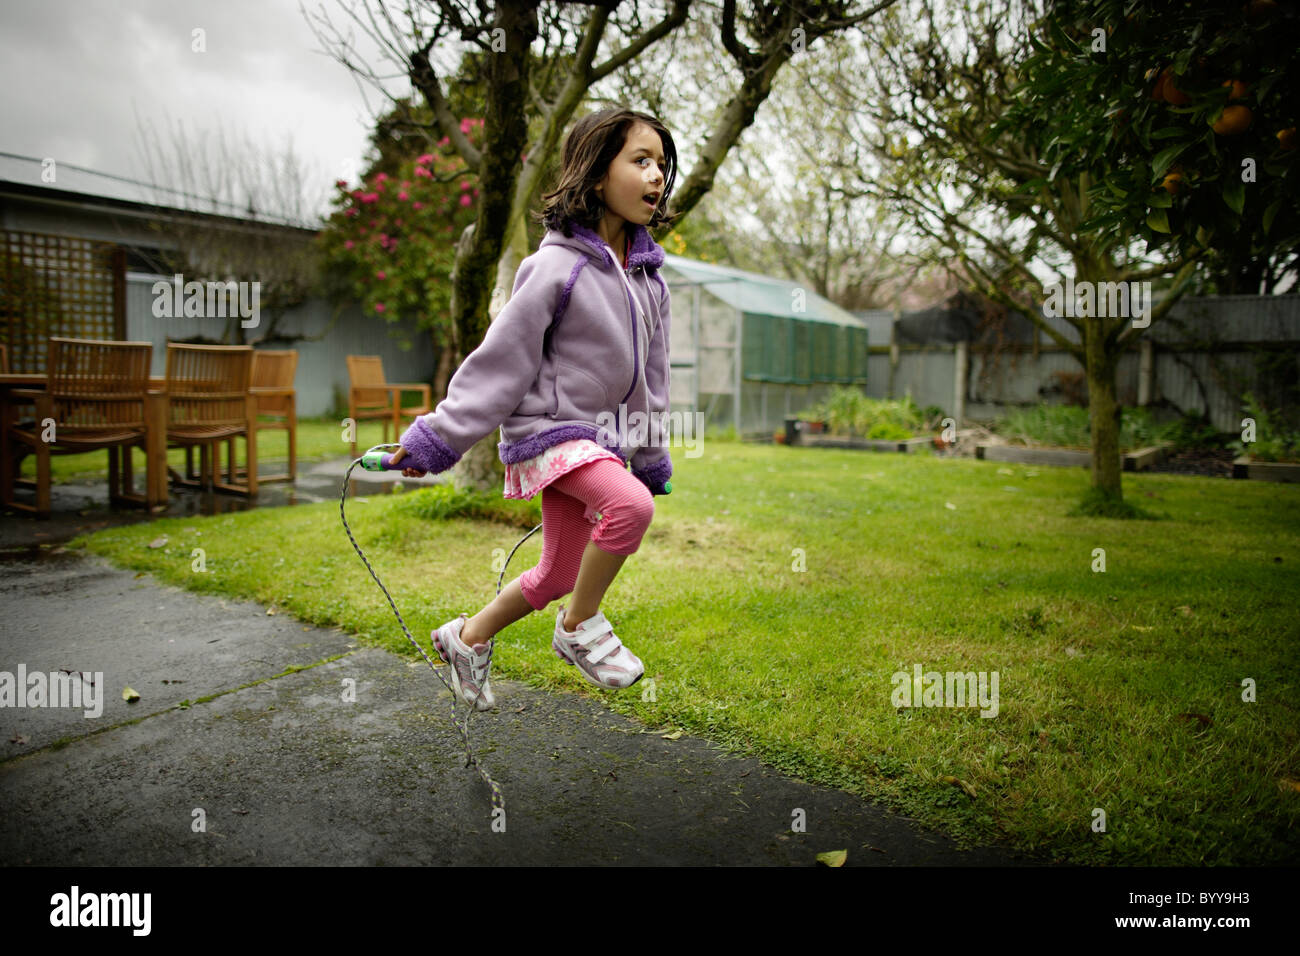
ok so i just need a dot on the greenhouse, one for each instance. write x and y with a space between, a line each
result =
750 350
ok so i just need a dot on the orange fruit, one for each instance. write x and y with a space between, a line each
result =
1239 89
1173 95
1286 137
1158 91
1173 183
1235 119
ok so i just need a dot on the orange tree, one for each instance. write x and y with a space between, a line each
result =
1179 115
391 241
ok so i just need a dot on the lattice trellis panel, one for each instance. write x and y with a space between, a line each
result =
62 286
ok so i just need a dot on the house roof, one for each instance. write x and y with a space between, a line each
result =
21 176
757 294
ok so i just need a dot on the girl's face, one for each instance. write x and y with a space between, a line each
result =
634 183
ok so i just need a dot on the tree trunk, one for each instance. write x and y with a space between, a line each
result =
480 249
1103 411
442 376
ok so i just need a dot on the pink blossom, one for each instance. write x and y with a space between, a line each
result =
421 171
341 183
381 275
464 185
465 124
352 212
427 158
406 184
399 224
370 198
392 244
348 244
475 190
381 177
417 205
444 141
403 195
465 200
379 307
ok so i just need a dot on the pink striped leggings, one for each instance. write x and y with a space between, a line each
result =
569 506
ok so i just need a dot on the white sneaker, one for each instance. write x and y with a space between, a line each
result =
469 668
597 652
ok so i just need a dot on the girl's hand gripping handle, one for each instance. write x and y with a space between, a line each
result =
378 461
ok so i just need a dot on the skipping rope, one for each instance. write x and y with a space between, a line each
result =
373 460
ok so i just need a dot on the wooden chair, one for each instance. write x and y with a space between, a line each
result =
95 397
371 396
209 403
272 385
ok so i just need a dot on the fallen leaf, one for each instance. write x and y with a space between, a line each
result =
970 791
140 574
240 812
158 542
950 506
673 736
270 611
1184 610
1286 783
1138 627
129 695
18 739
833 858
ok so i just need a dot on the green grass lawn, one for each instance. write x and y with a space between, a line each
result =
779 589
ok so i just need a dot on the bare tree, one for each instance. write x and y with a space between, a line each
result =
247 215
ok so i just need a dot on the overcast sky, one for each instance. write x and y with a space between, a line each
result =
77 74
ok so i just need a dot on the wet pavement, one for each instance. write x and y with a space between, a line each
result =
261 740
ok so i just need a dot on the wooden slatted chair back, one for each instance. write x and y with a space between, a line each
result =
274 369
364 370
207 385
97 388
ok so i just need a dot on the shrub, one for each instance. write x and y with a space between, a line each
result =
847 412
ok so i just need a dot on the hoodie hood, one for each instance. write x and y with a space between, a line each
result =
645 253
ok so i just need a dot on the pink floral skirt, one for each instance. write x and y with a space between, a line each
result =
527 478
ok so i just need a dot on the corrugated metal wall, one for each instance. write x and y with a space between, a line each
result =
1207 354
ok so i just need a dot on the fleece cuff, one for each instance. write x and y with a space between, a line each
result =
425 450
656 476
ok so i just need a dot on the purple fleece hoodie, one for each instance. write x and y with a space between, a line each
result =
546 385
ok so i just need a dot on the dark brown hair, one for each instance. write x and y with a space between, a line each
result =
590 147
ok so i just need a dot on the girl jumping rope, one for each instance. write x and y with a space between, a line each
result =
585 332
